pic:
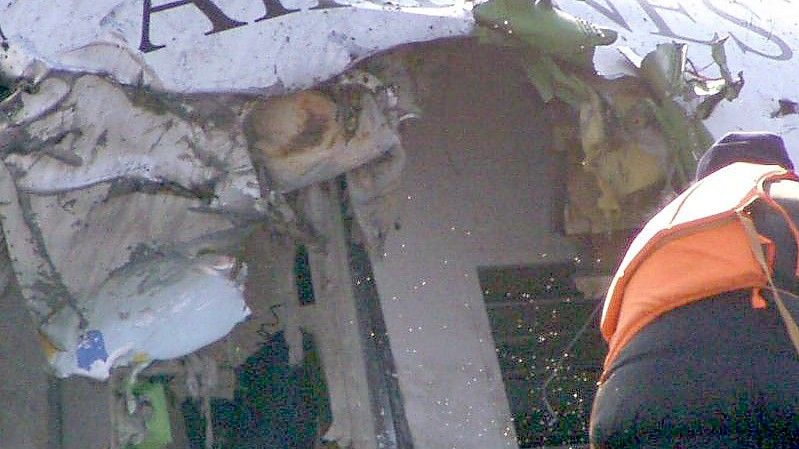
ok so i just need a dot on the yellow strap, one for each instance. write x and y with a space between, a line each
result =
757 250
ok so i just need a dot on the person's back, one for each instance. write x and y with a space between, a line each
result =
714 373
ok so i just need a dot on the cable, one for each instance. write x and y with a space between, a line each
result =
553 415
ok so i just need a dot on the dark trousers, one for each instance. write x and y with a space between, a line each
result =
713 374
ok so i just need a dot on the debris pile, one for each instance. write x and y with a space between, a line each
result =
135 219
629 140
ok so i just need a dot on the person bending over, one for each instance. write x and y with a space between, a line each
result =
700 351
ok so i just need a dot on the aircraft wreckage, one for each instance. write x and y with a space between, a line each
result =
163 164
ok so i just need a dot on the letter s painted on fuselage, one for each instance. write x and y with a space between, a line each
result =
786 52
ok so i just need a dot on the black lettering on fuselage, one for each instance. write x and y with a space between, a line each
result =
663 28
327 4
785 51
274 9
219 21
610 12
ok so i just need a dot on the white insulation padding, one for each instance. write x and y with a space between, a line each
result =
128 182
122 215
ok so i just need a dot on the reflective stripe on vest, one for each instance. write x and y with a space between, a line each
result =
694 248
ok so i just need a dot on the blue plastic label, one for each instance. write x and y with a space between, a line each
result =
91 347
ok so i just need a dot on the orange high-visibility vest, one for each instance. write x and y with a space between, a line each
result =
694 248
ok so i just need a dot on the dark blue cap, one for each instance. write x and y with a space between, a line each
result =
755 147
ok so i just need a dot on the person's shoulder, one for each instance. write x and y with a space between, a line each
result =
785 192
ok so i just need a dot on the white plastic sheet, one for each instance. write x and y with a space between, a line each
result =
158 309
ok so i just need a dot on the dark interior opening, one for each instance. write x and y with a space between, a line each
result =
302 276
535 313
276 405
